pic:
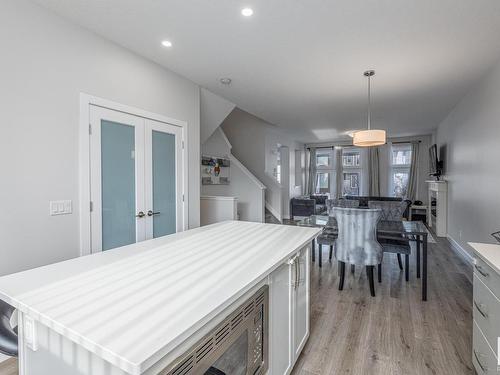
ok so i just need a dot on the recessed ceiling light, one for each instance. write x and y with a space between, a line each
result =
247 12
166 43
226 81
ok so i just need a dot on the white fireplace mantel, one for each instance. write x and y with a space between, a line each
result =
437 215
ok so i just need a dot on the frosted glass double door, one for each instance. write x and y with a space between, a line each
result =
136 178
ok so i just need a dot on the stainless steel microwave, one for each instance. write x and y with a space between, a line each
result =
237 346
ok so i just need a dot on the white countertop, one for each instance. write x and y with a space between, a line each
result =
490 253
133 305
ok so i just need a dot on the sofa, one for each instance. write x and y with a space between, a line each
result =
308 205
320 203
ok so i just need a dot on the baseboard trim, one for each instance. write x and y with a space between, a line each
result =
273 211
460 250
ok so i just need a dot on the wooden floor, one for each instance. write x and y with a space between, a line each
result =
9 367
393 333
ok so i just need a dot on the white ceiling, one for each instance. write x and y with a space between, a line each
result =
298 63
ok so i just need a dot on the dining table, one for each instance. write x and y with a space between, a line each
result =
415 231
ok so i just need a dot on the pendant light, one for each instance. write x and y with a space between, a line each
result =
369 137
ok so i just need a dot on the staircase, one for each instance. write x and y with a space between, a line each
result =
270 218
244 186
256 201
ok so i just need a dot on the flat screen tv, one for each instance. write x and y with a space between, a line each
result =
435 164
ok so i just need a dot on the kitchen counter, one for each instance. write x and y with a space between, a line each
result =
133 305
489 253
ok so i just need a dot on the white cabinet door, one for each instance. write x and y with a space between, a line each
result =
301 303
289 312
280 319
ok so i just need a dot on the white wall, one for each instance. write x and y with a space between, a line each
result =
246 188
213 110
45 64
469 139
253 140
214 209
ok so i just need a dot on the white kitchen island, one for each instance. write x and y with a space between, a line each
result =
139 308
486 308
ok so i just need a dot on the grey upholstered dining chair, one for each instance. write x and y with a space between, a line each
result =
345 203
327 237
357 241
394 211
391 210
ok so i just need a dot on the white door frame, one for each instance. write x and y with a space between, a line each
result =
86 101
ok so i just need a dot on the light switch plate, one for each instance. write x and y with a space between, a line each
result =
60 207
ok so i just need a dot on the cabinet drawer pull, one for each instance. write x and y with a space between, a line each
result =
478 307
298 269
481 270
293 262
294 273
484 369
296 284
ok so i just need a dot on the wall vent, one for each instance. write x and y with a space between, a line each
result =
222 333
235 322
184 367
204 349
259 299
249 308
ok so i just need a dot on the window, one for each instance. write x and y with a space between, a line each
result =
400 183
351 158
323 182
401 155
400 169
351 184
273 162
299 168
325 172
278 167
323 159
351 163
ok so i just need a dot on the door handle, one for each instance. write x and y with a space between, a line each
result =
140 215
151 213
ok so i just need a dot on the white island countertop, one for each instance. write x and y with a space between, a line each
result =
489 253
135 304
